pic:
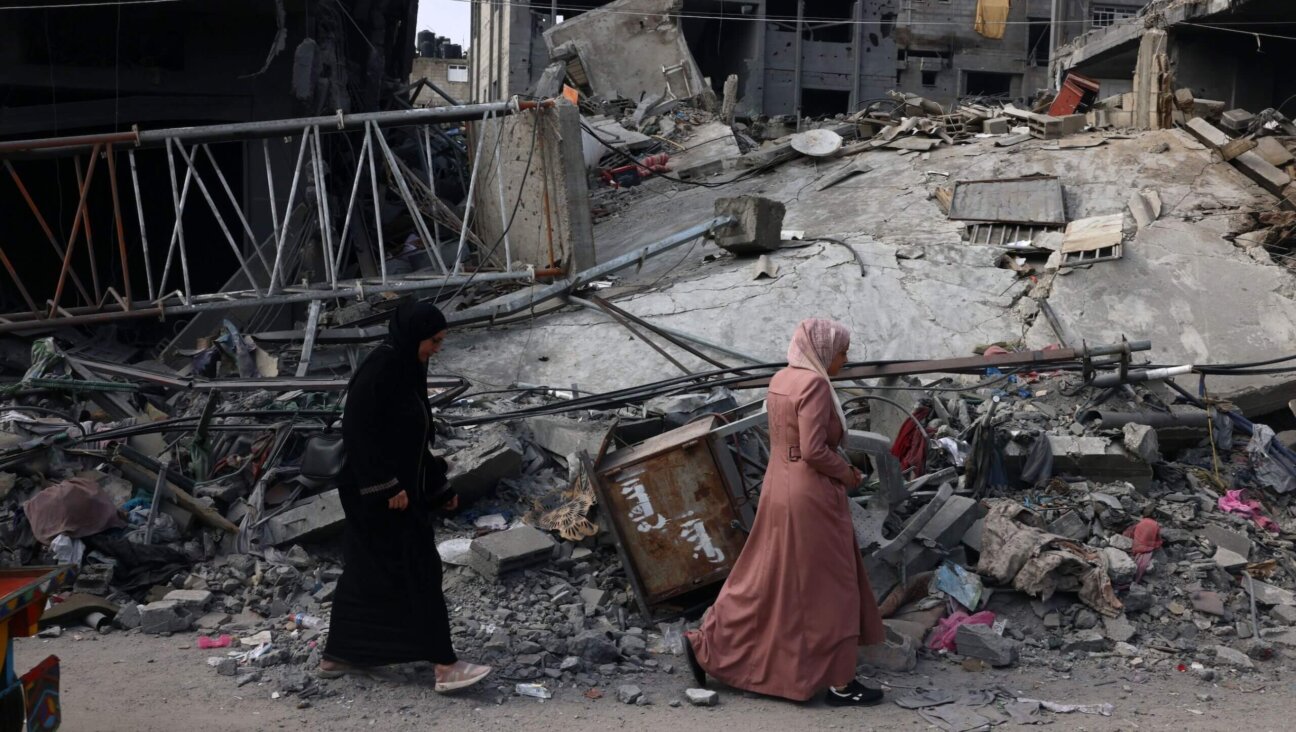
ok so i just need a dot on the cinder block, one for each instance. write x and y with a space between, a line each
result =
758 227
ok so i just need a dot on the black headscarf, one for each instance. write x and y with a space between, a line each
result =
413 322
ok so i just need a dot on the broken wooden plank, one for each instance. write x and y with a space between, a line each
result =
1095 232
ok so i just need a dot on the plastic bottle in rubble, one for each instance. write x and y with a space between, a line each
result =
303 620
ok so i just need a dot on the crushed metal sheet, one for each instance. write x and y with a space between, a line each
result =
1034 200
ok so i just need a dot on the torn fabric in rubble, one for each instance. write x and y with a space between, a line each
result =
1039 563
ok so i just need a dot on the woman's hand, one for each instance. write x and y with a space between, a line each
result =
451 504
859 477
398 502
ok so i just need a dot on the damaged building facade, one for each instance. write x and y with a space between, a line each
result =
790 56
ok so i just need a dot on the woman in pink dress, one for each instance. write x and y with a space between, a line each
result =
797 606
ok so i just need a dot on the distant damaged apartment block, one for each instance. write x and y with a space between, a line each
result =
801 57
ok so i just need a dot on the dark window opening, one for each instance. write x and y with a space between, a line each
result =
821 102
888 24
1037 42
1102 16
836 33
988 84
929 78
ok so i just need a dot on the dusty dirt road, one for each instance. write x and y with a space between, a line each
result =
143 683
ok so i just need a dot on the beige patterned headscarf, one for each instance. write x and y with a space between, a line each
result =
816 342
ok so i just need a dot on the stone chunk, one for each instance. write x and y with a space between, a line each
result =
1070 525
477 471
128 616
1086 641
1141 440
951 522
1118 629
996 126
980 641
504 551
317 517
629 694
163 616
1234 541
1285 614
562 436
702 697
1267 594
189 599
1237 120
227 667
1120 566
898 653
758 227
594 598
1210 603
595 647
1232 657
1274 152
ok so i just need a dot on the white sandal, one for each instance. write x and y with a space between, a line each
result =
461 677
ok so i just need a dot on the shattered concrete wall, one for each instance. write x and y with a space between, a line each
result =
546 184
629 47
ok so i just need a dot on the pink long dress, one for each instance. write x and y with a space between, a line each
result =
797 605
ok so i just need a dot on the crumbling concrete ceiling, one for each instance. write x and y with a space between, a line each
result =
926 293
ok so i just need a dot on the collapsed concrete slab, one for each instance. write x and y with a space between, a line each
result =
630 49
317 517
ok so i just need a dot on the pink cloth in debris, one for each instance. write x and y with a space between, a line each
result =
942 636
77 507
1147 539
1235 502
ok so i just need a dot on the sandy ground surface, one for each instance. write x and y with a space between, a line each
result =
141 683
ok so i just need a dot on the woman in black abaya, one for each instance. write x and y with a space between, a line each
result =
389 607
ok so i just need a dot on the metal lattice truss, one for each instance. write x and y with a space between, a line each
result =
267 261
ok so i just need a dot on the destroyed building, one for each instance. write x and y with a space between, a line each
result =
791 57
1072 315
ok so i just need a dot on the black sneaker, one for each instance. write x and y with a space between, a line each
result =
699 676
854 694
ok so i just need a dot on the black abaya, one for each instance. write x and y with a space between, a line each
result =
389 607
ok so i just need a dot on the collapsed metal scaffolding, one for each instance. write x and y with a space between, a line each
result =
266 261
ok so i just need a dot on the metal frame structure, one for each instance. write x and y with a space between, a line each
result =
266 259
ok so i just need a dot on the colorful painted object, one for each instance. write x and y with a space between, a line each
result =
32 701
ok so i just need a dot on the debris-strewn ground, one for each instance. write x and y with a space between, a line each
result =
115 682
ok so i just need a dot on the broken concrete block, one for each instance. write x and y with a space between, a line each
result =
1285 614
898 653
475 472
996 126
504 551
1274 152
595 598
1098 460
1209 603
980 641
1118 629
1120 566
314 518
1237 120
190 600
629 694
128 616
758 226
1250 163
1141 440
1184 99
1267 594
212 621
1231 657
163 616
951 522
1086 641
227 667
1229 560
1070 525
702 697
595 647
562 436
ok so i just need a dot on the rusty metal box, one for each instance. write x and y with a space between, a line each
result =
672 504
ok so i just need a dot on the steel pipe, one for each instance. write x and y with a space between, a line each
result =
240 131
247 299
